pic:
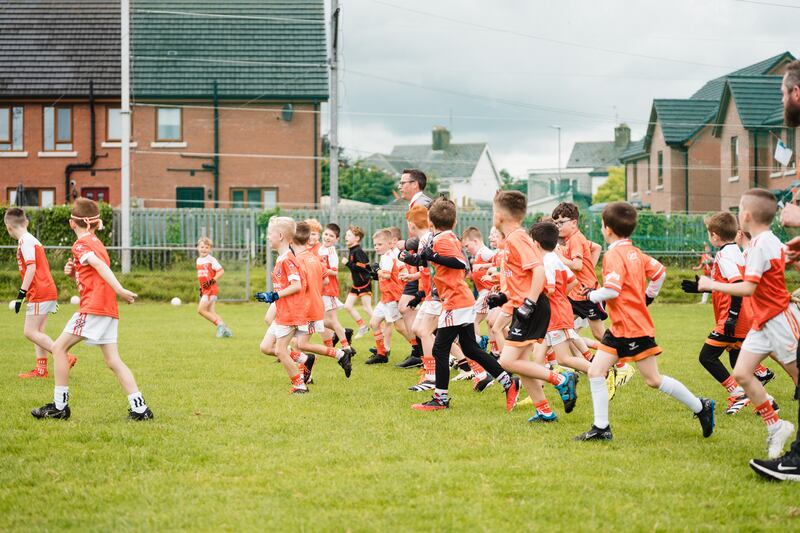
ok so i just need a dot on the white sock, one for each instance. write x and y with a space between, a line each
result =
339 354
60 396
599 401
678 390
137 402
478 338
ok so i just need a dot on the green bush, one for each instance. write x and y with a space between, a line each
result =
51 225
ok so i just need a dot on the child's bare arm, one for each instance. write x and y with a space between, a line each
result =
109 277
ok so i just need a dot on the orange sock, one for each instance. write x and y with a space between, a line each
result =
379 343
761 369
344 343
588 355
413 342
730 384
543 407
767 413
476 368
429 364
550 356
41 362
493 347
294 354
360 322
555 378
328 342
297 380
331 352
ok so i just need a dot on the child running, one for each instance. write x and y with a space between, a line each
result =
97 320
361 289
209 271
330 290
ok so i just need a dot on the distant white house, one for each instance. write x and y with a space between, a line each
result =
465 171
548 188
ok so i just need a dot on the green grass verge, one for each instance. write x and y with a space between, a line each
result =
230 449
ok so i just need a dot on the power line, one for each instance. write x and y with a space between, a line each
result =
771 4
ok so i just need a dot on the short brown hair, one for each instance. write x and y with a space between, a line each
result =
205 240
356 230
382 233
15 217
566 210
512 202
301 233
761 203
442 213
334 228
792 78
418 215
546 234
723 224
472 233
86 213
620 217
314 225
396 233
418 176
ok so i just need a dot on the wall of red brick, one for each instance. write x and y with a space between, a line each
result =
704 182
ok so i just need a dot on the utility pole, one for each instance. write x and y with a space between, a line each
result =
559 156
333 136
125 118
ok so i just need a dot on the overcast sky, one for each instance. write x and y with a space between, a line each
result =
497 70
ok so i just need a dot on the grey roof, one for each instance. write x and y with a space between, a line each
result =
635 150
52 48
455 161
386 163
595 154
712 90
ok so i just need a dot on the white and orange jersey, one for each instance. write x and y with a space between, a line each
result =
728 267
207 268
765 265
483 256
97 296
558 276
578 246
291 310
330 261
516 268
391 288
451 283
310 265
425 272
626 270
30 252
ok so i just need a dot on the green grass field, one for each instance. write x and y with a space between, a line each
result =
230 449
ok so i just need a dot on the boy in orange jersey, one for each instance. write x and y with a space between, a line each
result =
632 334
38 289
494 280
334 331
444 255
288 284
314 243
97 320
775 328
310 265
387 272
481 261
361 289
209 271
523 300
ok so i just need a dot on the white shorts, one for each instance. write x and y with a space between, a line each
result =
278 331
317 326
431 307
581 323
778 336
94 329
41 308
331 302
457 317
481 307
557 336
387 311
209 298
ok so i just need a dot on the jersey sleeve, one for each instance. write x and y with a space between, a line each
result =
549 275
487 254
575 248
28 250
653 269
524 252
386 262
82 253
215 264
613 271
449 248
291 270
729 269
756 264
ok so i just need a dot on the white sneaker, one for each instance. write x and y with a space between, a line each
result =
462 376
777 435
220 330
363 330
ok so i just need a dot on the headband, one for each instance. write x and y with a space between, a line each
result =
90 220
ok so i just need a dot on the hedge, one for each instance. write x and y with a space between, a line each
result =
51 225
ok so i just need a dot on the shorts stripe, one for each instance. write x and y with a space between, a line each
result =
792 324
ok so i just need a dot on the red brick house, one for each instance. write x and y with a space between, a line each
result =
246 85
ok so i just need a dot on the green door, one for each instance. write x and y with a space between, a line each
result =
189 197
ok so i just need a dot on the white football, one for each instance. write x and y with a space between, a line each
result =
11 304
74 300
175 301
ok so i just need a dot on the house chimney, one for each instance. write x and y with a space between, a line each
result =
622 136
441 138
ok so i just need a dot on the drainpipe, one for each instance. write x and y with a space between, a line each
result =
755 159
686 178
316 153
73 167
216 145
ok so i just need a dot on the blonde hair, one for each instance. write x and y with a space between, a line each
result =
205 240
314 225
285 225
384 233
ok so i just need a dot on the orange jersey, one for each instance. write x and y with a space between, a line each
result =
578 246
97 296
516 268
765 265
207 268
626 270
291 309
30 252
391 288
330 261
451 284
309 263
728 267
483 256
558 276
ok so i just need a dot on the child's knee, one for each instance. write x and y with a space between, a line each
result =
653 382
267 348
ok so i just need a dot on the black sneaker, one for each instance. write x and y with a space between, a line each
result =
786 468
434 404
49 411
412 361
482 384
706 416
346 363
374 351
595 433
377 360
766 378
308 366
348 334
133 415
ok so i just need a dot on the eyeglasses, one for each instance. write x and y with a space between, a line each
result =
406 181
562 221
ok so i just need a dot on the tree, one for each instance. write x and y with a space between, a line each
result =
509 183
614 187
360 183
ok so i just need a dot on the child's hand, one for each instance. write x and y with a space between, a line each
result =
704 284
128 296
404 276
69 268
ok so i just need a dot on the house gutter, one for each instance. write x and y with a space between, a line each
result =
316 154
73 167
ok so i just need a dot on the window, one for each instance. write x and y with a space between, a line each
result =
552 187
254 198
32 197
11 128
58 129
734 156
188 197
98 194
660 181
635 177
791 142
169 127
113 124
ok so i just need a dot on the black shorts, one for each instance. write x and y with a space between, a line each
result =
361 290
411 288
587 309
629 349
525 332
718 340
